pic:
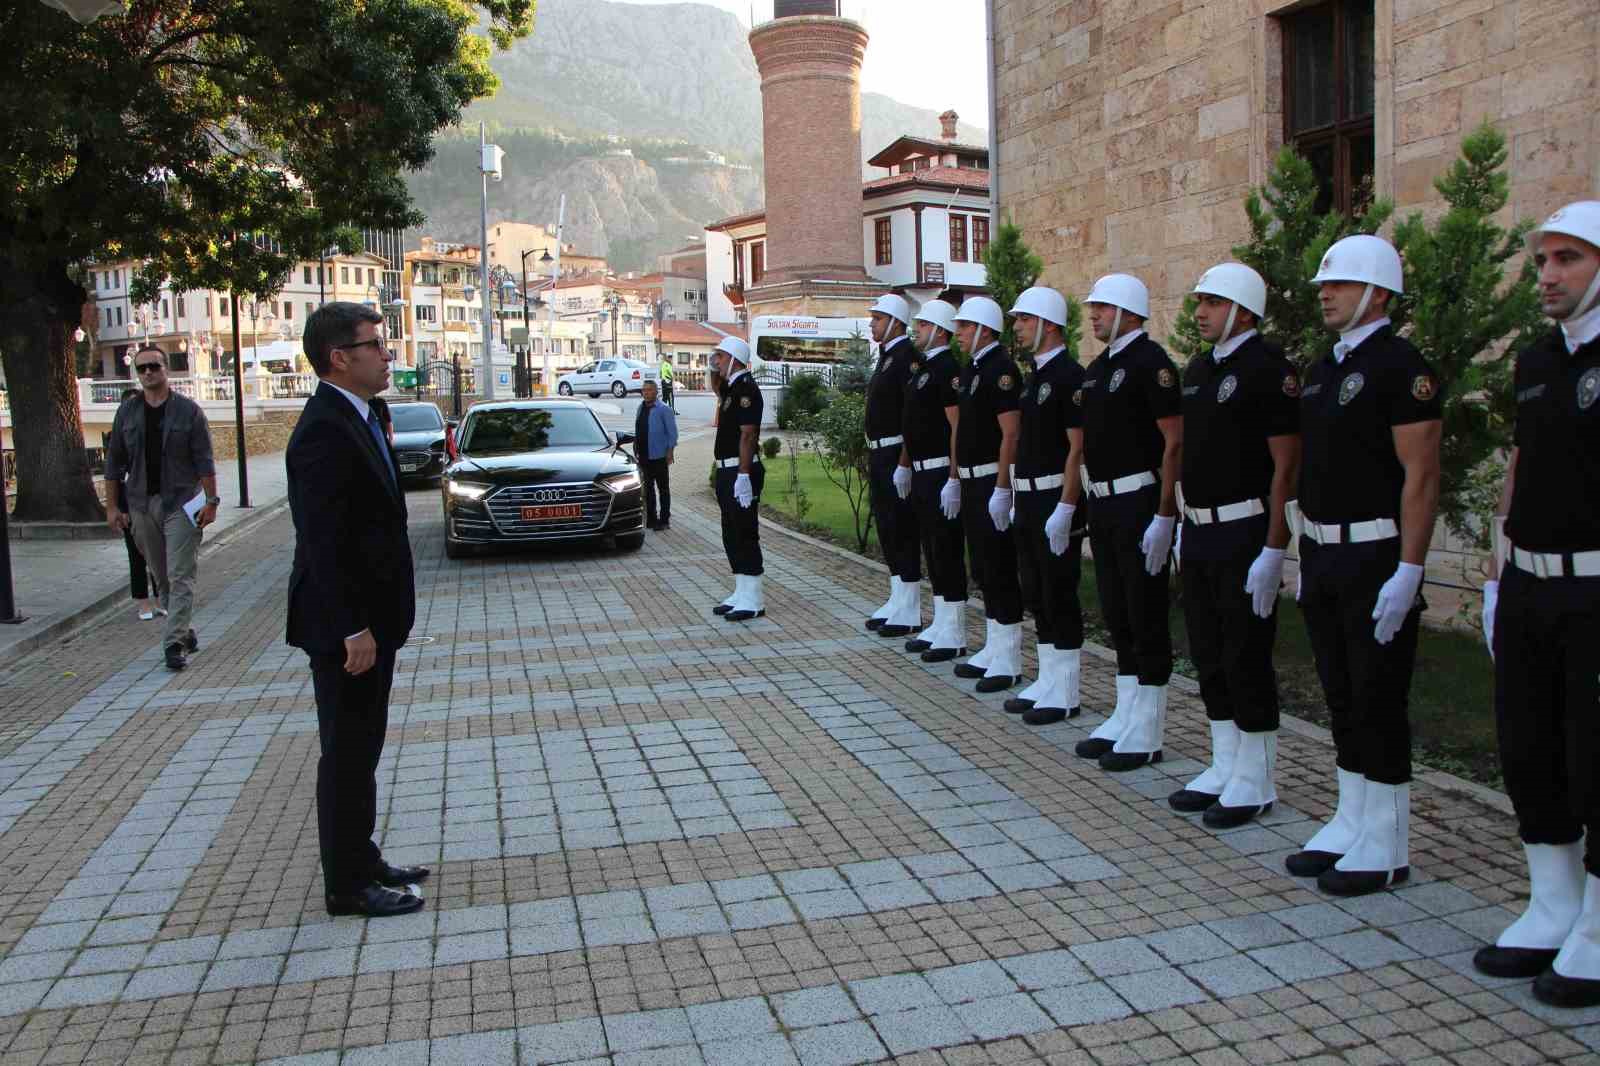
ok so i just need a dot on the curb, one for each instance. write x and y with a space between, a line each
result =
1483 794
92 612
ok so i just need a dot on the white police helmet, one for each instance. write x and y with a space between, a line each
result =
1045 304
983 311
1238 283
895 307
1581 220
1122 291
1367 260
737 350
940 314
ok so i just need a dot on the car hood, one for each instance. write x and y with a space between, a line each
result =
420 438
549 464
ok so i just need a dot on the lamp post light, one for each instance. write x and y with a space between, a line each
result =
614 302
260 311
84 12
490 158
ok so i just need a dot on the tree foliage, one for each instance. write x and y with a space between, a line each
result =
834 434
1010 266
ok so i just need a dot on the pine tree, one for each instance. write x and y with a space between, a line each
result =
1011 267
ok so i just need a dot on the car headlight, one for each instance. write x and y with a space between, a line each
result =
468 490
619 483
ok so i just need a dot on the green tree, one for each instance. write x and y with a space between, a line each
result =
1468 321
1010 266
852 372
216 141
1184 342
834 434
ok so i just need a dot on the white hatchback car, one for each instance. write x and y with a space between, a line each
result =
617 376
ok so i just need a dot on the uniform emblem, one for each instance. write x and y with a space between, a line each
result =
1588 388
1291 386
955 383
922 379
1226 388
1350 388
1117 379
727 403
1423 388
1077 397
1166 378
1044 392
1327 263
973 388
744 401
1005 382
915 366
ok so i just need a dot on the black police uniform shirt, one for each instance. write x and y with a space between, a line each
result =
741 406
1557 485
1231 407
898 363
1348 410
991 385
934 387
1048 411
1123 396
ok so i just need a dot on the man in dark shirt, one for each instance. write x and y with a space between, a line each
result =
1541 614
739 477
1371 416
898 363
1241 452
655 431
1132 449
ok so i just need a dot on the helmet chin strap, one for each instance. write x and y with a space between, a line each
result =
1227 326
1590 299
1361 309
1038 334
1116 325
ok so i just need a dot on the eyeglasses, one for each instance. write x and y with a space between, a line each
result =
353 345
148 368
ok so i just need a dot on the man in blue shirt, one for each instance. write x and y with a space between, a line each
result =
655 431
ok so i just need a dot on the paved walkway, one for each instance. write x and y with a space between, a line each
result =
659 838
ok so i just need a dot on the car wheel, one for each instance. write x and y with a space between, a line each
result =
565 388
618 389
630 542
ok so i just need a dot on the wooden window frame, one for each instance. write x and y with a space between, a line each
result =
883 240
758 261
1343 132
980 225
958 229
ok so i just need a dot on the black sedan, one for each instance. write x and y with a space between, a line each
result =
419 440
528 471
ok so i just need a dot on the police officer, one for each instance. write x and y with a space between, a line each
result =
898 363
979 489
932 403
1050 525
1241 454
666 381
740 476
1541 617
1132 447
1371 415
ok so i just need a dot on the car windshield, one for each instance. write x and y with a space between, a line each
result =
415 418
527 429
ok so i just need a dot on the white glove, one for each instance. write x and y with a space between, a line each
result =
1395 600
1058 528
1299 581
1000 509
950 499
1266 574
902 481
742 490
1491 600
1177 546
1157 543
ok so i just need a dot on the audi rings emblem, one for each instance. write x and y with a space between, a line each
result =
549 495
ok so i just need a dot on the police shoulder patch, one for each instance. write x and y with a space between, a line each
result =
1006 382
727 402
922 379
1588 388
1291 386
1423 388
955 382
1166 378
1044 392
1077 397
744 401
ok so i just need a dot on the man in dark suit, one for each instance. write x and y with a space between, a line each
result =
352 598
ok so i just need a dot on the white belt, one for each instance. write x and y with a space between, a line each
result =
1350 532
979 471
1037 484
723 464
940 463
884 442
1118 486
1555 564
1228 512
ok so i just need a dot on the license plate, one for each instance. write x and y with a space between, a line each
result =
555 511
410 464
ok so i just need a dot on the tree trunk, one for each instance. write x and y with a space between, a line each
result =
40 308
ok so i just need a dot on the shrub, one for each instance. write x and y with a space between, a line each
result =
805 395
771 447
841 448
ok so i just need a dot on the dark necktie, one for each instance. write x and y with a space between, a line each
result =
377 438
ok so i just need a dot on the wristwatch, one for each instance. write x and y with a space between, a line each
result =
213 501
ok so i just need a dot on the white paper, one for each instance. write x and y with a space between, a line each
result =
194 507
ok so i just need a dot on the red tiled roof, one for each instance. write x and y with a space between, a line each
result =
947 178
731 329
906 146
738 220
680 331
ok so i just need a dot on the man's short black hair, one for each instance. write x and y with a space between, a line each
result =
147 347
333 325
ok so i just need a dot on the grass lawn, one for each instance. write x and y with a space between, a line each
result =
1452 693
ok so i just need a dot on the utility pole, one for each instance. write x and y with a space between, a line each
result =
238 404
489 167
550 304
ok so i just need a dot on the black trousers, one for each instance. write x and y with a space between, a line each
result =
943 541
655 473
352 717
994 554
1230 645
1546 696
741 526
1050 580
1133 603
138 576
1367 685
896 519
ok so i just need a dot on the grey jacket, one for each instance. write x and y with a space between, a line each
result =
186 451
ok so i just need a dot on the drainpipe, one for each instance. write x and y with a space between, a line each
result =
994 108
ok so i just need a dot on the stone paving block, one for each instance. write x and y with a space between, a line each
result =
317 1058
79 991
876 872
633 929
399 1053
838 1045
648 1029
936 865
415 926
679 897
22 996
1046 969
1085 868
731 1019
543 912
686 1055
916 1030
561 1041
472 920
973 980
695 921
256 942
815 906
1317 920
742 889
957 887
396 955
1367 949
319 936
316 965
1234 975
795 882
1000 1017
772 1050
543 939
38 966
1252 931
1193 943
58 937
1022 878
898 992
815 1006
1153 990
892 895
1122 955
469 947
1439 898
1433 937
1298 962
1381 909
759 913
497 1048
106 960
1083 1004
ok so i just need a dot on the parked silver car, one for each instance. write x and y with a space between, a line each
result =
617 376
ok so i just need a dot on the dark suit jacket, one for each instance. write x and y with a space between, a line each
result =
352 554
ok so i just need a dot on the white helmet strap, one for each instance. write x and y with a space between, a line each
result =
1038 333
1227 326
1361 309
1590 299
1116 326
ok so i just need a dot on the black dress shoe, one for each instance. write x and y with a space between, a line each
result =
875 624
1220 817
1191 801
175 659
918 645
1337 882
373 901
997 683
742 616
968 671
895 631
722 608
942 655
1311 863
400 876
1016 705
1514 962
1093 748
191 643
1120 762
1048 715
1558 991
666 523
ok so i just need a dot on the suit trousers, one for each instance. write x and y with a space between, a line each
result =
1546 692
1051 580
352 717
1231 646
1133 603
896 519
170 544
138 575
943 541
655 473
741 526
1367 685
994 553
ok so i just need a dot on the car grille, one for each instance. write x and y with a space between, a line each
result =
410 461
506 504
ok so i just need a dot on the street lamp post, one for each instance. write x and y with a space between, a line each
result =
615 303
555 273
490 157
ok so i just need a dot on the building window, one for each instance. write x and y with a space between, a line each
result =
883 238
288 311
310 307
427 313
179 301
119 316
758 262
224 305
1328 89
980 237
165 312
372 275
305 275
958 238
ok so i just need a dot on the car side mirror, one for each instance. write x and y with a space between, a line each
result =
624 438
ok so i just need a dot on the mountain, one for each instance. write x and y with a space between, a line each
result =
597 78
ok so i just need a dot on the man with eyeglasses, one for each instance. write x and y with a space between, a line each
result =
161 442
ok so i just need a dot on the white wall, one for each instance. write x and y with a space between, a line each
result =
903 270
719 272
936 245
